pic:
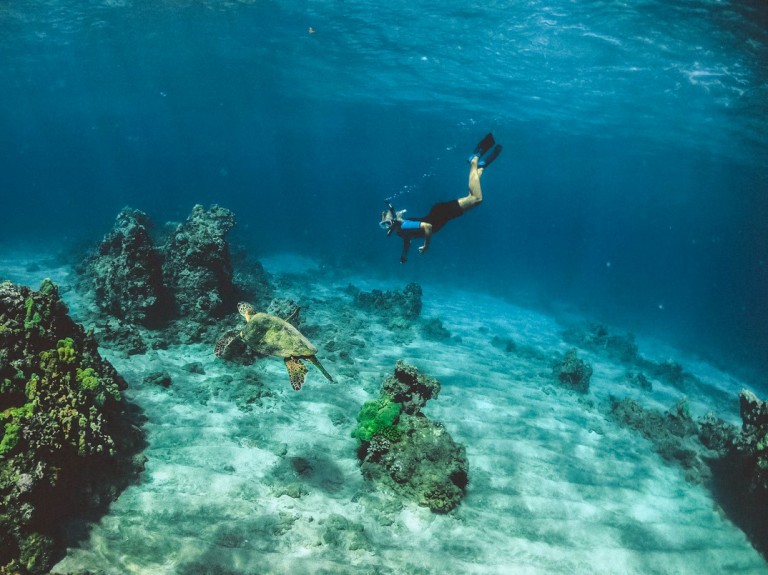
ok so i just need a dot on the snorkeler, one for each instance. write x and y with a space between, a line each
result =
441 213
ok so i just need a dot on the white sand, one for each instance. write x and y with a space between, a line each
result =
554 486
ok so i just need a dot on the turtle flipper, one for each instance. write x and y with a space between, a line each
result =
296 371
221 348
319 366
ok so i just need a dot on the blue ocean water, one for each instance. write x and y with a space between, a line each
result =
633 185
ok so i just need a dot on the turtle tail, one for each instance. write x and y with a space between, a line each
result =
319 366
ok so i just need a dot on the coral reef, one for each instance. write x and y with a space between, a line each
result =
197 267
251 280
435 330
125 338
402 449
68 444
410 388
733 464
673 434
183 289
126 272
753 443
375 417
740 471
572 372
596 337
623 348
398 308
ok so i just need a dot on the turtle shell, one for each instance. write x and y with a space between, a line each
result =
269 335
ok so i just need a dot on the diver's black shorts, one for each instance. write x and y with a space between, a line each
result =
441 213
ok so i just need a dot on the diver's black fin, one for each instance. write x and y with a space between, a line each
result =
488 160
483 146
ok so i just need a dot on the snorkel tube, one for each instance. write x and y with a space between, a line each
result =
390 209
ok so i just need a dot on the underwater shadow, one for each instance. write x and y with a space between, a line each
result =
746 508
311 470
114 476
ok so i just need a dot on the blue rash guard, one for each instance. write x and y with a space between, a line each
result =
410 229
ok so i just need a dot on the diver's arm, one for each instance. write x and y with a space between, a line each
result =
406 245
427 236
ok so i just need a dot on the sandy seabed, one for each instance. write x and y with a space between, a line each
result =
246 476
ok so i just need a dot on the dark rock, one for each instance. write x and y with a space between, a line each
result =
399 308
435 330
251 279
754 412
404 450
194 367
410 388
674 434
596 337
197 267
124 337
572 372
161 378
69 439
716 434
126 272
741 472
753 442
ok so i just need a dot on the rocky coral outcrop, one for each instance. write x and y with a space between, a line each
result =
410 388
403 449
182 289
197 268
572 372
741 472
126 272
753 443
68 441
397 308
596 337
673 434
731 462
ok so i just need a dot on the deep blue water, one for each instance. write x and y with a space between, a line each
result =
633 186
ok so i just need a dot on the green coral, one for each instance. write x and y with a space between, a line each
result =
11 434
34 318
88 379
66 350
10 438
376 416
31 388
49 288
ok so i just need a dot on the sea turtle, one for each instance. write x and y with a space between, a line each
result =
270 335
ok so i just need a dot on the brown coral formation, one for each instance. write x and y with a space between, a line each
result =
404 450
68 443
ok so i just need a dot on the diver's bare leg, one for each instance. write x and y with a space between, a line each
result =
475 196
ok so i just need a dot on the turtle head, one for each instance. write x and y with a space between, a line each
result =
246 310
